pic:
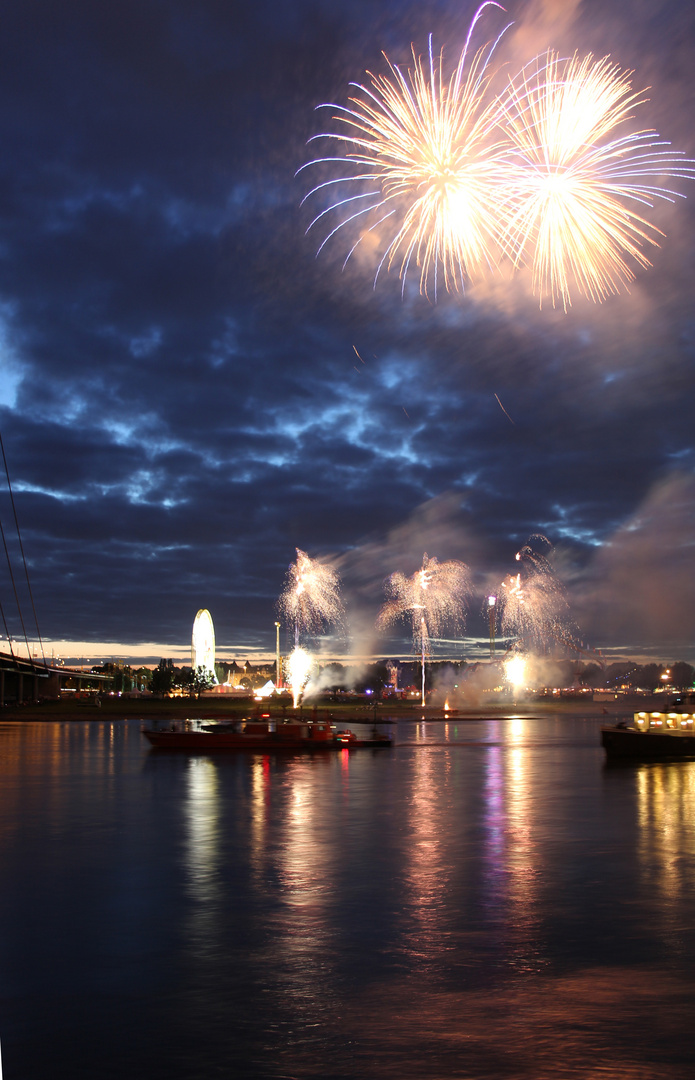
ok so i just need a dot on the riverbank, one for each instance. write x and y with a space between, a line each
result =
159 709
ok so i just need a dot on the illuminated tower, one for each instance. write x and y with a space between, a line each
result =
203 642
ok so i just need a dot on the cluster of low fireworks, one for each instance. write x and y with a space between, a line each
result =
530 609
432 599
455 178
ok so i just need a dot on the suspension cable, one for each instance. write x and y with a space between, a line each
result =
4 622
16 596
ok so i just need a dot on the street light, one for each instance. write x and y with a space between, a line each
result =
423 633
278 666
491 602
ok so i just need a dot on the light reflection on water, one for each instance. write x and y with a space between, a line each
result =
485 899
299 863
202 855
666 842
512 856
426 872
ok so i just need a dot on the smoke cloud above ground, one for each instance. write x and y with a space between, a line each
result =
634 589
640 587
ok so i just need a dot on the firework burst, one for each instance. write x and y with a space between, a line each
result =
533 607
576 180
422 157
311 598
434 597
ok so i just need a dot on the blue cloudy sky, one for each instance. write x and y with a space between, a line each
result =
181 403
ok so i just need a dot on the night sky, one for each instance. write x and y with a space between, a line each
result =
181 402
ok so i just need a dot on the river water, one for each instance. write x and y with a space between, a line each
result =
484 900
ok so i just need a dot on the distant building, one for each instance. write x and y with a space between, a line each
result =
392 669
234 674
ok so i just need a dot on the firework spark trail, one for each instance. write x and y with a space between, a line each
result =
504 411
311 598
437 592
299 670
532 604
573 183
429 154
434 597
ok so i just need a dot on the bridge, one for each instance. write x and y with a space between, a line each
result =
30 680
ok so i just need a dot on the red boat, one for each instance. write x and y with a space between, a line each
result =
265 734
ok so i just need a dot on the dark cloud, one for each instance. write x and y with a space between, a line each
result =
188 393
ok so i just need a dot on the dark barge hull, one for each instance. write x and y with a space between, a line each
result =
208 740
626 743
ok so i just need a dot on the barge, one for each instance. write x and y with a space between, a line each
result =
265 734
652 736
